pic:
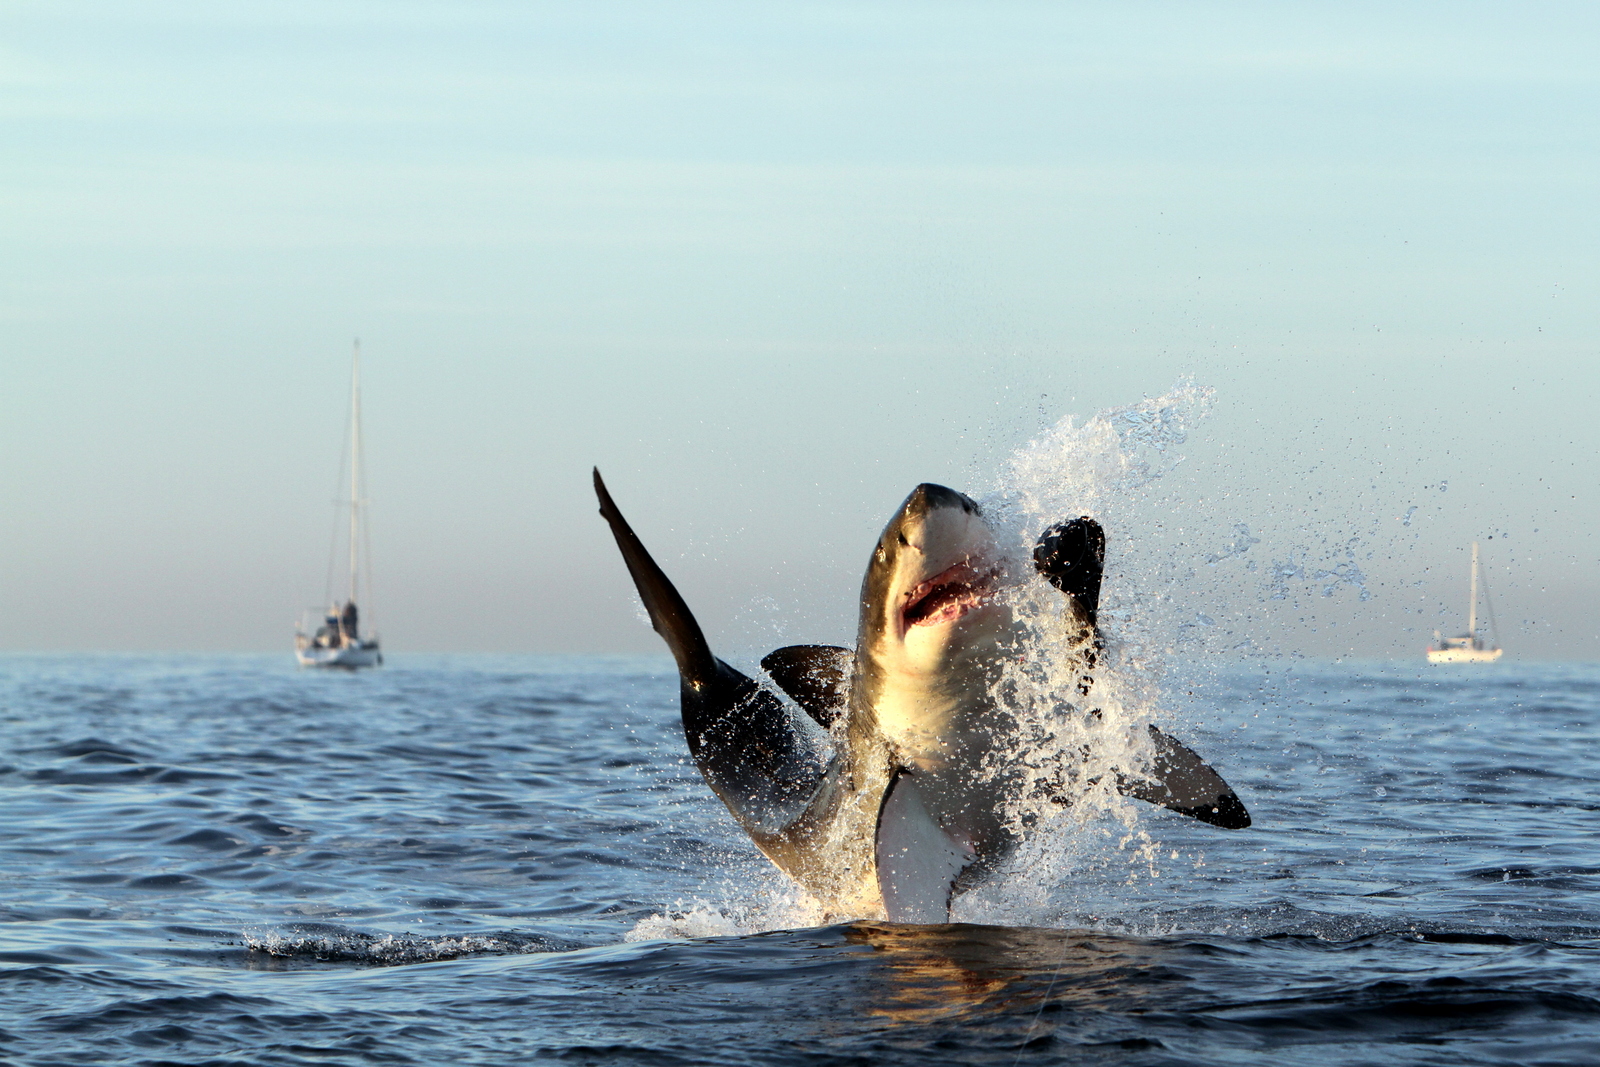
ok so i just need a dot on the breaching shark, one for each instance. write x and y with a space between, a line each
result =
882 784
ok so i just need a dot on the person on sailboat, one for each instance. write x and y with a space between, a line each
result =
348 622
329 633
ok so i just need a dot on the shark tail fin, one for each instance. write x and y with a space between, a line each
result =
763 760
669 615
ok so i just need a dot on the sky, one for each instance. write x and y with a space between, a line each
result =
768 267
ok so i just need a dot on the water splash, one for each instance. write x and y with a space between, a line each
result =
1098 467
1070 749
765 900
1287 578
1242 540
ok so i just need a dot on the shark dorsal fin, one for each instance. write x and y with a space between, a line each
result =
817 677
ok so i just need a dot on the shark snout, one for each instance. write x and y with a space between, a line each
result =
930 506
929 497
936 562
946 566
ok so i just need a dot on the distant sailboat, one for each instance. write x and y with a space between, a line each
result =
337 641
1469 647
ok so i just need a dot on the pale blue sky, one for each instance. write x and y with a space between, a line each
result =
769 266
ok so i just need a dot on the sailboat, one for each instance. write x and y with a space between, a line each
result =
1469 647
337 641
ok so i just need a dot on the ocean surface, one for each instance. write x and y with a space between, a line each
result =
481 860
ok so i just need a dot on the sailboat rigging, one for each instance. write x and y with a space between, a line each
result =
337 641
1469 647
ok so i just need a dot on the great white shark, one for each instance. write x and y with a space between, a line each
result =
882 784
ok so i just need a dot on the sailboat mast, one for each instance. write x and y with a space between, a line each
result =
355 463
1472 606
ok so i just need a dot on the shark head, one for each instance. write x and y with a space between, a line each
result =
930 589
931 615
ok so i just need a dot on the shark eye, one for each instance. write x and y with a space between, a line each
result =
901 538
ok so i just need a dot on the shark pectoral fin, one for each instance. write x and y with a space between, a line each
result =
918 863
817 677
1071 556
1181 780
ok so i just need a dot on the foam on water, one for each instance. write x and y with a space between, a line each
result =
763 900
331 943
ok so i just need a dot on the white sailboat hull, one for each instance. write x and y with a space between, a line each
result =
1469 647
1463 655
350 657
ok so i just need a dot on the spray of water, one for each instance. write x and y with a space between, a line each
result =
1070 747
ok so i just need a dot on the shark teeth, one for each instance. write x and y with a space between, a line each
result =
947 596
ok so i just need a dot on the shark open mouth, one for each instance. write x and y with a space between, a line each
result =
947 596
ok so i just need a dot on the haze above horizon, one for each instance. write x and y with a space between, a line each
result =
769 267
